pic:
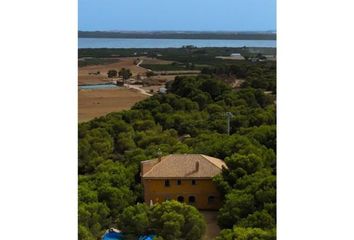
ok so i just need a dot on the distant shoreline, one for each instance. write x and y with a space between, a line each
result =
181 35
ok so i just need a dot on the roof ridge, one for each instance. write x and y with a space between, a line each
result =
157 163
212 165
153 159
206 157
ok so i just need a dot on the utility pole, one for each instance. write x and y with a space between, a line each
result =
229 116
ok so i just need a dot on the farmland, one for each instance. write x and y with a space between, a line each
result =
164 64
97 73
99 102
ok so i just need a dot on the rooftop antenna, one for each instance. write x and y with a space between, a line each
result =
229 115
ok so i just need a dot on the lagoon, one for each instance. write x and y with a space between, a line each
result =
169 43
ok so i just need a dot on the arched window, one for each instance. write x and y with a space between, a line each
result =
180 199
211 199
191 199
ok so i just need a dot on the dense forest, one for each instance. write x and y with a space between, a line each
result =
190 118
260 75
184 54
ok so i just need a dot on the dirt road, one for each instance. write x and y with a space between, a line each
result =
138 88
212 228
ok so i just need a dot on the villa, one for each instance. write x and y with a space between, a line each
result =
182 177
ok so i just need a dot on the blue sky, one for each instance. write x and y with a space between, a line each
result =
197 15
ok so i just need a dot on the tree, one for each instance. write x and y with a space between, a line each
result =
202 98
93 217
150 74
264 134
174 220
214 87
116 198
262 98
240 233
135 220
112 73
85 234
249 163
259 219
125 73
94 148
169 220
237 206
221 184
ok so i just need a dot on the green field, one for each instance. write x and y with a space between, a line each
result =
95 61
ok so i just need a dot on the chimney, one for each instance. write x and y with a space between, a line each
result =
197 166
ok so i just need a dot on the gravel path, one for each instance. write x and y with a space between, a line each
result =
137 87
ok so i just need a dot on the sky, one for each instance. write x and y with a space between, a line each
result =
175 15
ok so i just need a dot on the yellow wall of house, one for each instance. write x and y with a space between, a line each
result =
155 190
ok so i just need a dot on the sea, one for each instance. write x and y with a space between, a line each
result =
169 43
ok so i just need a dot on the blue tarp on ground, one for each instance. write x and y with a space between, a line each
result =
113 236
119 236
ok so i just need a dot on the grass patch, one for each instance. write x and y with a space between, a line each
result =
96 61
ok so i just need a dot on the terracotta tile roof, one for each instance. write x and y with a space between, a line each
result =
182 166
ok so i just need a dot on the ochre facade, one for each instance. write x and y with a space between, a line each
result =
201 193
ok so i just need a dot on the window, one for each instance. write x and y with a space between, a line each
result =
178 182
191 199
180 199
211 199
167 183
194 182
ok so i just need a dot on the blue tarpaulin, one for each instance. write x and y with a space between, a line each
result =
113 236
148 237
119 236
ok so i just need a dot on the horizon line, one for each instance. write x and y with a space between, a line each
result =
228 31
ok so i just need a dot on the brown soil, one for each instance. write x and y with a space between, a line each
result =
99 102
